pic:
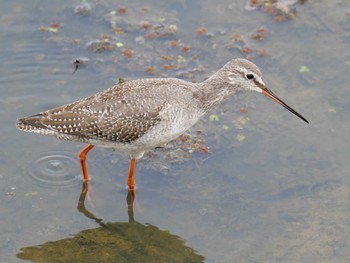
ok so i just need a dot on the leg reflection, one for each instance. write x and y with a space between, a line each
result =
82 209
81 204
130 202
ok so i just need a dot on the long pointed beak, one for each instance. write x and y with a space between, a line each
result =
272 96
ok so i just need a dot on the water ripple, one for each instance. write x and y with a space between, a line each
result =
55 169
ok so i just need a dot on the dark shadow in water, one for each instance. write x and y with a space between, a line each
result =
114 242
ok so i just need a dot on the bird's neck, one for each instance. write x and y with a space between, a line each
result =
213 91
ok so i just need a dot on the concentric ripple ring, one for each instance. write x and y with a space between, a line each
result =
55 169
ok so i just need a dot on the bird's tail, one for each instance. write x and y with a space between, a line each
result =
33 124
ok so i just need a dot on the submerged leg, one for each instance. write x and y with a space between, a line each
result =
131 179
82 158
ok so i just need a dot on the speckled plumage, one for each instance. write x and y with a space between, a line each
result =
128 116
138 115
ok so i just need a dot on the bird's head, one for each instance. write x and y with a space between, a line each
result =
244 75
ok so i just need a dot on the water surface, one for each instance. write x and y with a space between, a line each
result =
270 189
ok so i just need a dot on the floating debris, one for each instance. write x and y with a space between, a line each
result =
166 57
127 53
77 63
225 127
304 69
52 28
185 49
213 117
174 43
262 53
201 31
181 60
237 42
242 120
121 10
259 34
169 66
150 70
189 143
105 43
83 9
332 109
246 50
252 5
278 9
240 137
237 38
243 110
75 42
152 26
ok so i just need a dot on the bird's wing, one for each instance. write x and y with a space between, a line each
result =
122 113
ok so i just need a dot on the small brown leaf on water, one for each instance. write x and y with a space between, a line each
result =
262 53
169 67
185 49
151 35
259 34
150 70
174 43
246 50
201 30
237 38
121 10
203 149
127 53
55 25
243 110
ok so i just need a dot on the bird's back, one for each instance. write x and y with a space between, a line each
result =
123 113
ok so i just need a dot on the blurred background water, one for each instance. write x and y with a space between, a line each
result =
249 183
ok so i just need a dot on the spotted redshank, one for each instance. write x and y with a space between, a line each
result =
138 115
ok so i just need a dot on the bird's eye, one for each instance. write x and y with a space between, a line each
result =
250 76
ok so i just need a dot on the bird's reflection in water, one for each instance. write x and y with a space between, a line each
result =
114 242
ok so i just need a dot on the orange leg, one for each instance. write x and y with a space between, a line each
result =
131 179
82 158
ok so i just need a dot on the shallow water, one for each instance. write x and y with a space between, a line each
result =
271 188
